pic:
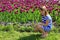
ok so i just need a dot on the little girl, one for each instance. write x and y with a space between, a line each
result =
46 24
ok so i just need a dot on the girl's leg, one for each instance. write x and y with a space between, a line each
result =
36 29
39 27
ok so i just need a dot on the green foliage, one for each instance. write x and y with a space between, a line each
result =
55 15
25 29
20 17
2 27
9 27
27 36
25 17
25 33
58 22
16 28
6 28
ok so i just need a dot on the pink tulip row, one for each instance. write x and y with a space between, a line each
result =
25 5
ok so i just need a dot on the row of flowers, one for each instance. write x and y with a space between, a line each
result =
26 5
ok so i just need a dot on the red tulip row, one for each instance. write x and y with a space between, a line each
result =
26 5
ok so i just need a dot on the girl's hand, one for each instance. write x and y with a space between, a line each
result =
46 24
41 23
47 21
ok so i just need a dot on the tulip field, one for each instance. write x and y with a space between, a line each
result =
18 17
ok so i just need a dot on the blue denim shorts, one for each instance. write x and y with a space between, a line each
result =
46 28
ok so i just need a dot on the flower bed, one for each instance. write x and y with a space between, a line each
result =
25 11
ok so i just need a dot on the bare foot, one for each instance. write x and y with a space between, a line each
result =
44 35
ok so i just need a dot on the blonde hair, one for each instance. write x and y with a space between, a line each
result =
43 8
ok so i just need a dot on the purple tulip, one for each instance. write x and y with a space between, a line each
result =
22 10
26 4
50 8
54 2
0 6
58 3
9 11
27 8
2 10
9 7
16 12
15 0
15 6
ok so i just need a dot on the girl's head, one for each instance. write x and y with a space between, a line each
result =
43 10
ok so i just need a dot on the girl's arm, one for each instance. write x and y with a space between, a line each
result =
47 21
